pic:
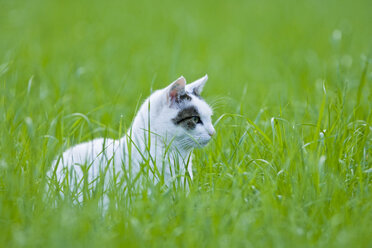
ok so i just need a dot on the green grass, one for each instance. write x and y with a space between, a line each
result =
290 83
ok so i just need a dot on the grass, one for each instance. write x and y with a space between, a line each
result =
290 83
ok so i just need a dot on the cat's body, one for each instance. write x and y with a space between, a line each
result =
158 146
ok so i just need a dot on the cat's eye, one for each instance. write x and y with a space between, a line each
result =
196 119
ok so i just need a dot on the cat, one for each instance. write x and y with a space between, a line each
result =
158 145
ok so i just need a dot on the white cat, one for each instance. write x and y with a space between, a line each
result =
158 146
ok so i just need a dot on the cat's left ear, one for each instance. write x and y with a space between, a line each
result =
197 86
175 90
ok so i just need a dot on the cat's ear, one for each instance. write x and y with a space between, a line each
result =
197 86
175 90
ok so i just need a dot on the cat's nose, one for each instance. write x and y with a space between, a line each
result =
211 131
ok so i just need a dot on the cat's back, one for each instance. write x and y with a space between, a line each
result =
85 152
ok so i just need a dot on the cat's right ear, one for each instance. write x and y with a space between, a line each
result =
197 86
175 90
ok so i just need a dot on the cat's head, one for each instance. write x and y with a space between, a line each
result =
184 115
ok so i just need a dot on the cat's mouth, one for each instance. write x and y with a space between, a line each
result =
203 142
199 142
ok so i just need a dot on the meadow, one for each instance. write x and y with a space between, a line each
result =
290 85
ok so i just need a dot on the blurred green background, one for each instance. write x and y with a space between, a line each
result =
304 62
90 53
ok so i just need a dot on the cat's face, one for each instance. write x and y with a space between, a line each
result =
188 115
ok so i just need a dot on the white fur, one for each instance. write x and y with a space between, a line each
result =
152 137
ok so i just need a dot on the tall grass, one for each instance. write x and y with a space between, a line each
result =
290 83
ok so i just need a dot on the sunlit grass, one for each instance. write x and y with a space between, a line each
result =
290 83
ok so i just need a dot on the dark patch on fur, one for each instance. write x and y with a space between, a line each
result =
178 99
184 119
182 98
